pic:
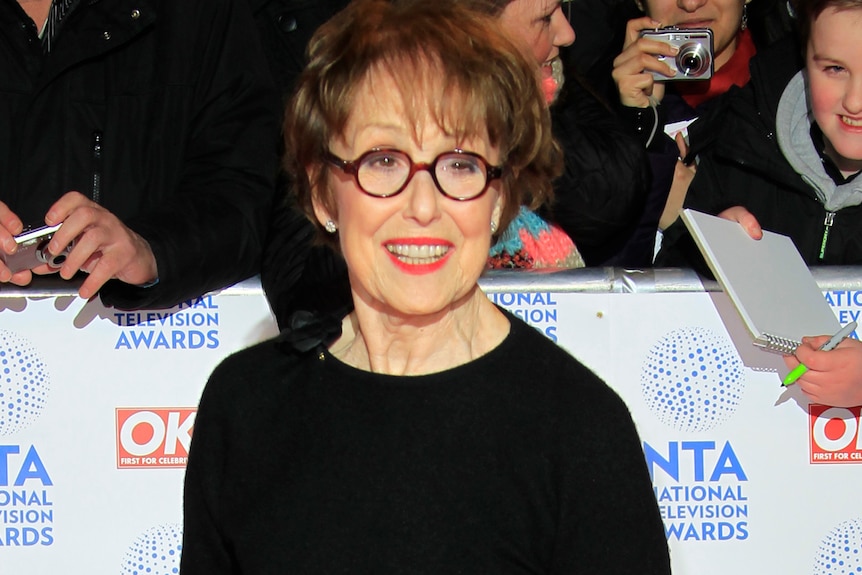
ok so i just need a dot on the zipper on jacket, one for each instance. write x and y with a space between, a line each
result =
96 191
827 225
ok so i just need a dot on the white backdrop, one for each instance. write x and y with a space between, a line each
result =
97 406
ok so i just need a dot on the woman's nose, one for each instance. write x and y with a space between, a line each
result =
691 5
564 34
423 198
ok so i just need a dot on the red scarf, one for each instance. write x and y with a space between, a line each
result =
735 71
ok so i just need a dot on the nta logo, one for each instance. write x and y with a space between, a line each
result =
692 379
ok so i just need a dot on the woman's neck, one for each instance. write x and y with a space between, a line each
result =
726 54
390 343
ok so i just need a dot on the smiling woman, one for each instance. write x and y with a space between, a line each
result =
416 438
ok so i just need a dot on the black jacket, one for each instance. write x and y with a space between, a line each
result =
745 166
179 96
285 27
600 195
295 273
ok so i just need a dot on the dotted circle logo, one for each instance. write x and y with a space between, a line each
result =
156 552
692 379
24 383
840 552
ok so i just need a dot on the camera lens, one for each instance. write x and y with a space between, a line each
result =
45 257
692 60
57 261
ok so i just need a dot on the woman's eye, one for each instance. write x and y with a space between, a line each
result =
383 161
546 19
461 166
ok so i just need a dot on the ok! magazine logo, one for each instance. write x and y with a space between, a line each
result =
150 437
834 434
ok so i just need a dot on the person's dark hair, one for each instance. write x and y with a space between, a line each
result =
770 21
445 59
808 10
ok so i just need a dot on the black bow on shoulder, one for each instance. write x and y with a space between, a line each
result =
307 330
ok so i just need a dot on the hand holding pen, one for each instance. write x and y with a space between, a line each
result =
831 375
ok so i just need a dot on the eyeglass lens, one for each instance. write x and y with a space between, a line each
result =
385 172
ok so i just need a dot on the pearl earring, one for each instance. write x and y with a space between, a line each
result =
330 226
493 227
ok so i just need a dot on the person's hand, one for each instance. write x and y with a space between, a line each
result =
744 218
682 176
10 226
633 67
104 247
833 377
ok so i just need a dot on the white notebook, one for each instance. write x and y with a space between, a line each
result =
766 280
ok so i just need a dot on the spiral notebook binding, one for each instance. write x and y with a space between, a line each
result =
777 344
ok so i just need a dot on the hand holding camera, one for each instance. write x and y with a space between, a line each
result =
85 237
653 55
105 248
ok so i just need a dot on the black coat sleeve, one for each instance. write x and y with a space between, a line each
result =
210 234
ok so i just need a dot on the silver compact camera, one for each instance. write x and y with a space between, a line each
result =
33 250
694 59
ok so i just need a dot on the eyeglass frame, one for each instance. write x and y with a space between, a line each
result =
351 167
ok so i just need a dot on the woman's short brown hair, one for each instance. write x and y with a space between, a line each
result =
446 60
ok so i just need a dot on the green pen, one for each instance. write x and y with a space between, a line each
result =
833 342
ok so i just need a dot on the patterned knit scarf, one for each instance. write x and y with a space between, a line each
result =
530 243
